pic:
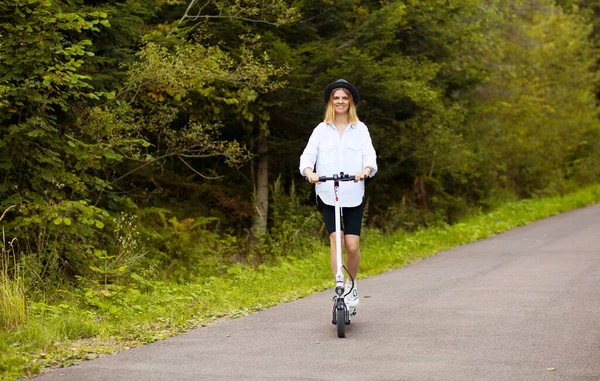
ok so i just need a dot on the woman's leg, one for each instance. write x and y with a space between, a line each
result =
352 226
333 254
352 245
352 262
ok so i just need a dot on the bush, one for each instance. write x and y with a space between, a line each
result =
13 306
292 226
185 249
53 240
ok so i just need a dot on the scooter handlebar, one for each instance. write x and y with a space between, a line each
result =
340 177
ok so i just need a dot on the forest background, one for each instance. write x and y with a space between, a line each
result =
159 140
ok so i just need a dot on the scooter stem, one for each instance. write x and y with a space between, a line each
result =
339 277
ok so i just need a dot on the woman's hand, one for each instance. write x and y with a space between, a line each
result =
362 175
311 176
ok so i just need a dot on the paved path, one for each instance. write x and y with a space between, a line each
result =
523 305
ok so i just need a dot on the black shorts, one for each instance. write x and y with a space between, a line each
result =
351 218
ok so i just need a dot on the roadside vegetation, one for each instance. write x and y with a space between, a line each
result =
149 150
83 324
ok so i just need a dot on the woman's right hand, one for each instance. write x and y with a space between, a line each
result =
311 176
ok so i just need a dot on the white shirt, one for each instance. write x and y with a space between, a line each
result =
332 154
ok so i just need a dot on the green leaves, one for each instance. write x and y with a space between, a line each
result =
274 12
53 158
60 220
461 100
41 49
538 100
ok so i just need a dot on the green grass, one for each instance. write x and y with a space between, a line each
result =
96 321
13 305
13 309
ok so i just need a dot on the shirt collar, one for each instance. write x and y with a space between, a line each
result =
352 125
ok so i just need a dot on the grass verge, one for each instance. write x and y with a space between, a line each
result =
92 322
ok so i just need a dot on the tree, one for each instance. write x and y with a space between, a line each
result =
247 108
66 146
534 122
51 165
403 58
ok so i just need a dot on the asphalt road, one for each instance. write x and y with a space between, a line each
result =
523 305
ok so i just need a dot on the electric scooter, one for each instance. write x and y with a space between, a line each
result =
342 315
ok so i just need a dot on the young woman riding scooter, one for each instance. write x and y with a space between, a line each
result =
341 144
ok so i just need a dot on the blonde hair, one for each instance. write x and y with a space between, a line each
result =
330 111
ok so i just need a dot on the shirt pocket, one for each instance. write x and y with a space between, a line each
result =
327 152
354 154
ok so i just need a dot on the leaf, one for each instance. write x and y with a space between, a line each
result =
67 221
99 224
58 221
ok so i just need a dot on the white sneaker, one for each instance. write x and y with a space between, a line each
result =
351 299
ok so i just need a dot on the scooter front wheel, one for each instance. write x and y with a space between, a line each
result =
341 322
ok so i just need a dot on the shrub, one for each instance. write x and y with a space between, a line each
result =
54 240
186 249
13 310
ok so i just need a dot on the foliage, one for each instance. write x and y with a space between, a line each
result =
84 326
405 57
166 86
532 123
455 97
275 12
13 310
13 304
53 241
188 249
42 146
132 135
52 163
292 225
118 267
70 149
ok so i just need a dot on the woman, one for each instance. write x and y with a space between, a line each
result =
341 143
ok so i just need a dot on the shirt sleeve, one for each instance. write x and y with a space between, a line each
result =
369 154
308 158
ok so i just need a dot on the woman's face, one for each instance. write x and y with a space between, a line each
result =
341 101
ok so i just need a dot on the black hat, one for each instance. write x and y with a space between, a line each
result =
343 84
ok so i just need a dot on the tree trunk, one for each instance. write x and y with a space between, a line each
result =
261 203
251 149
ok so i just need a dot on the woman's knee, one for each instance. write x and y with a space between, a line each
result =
332 238
352 244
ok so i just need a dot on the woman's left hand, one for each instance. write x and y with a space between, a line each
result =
361 175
